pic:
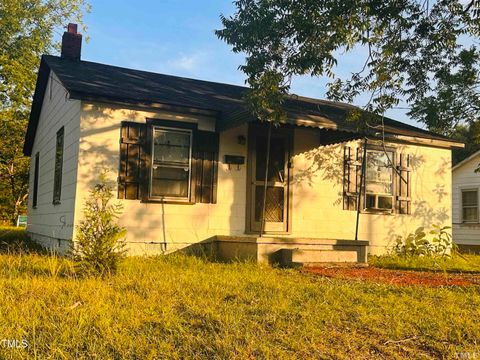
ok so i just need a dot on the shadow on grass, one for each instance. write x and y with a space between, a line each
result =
14 240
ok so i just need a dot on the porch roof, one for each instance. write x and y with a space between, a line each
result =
85 80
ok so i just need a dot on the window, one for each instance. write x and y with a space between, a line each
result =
171 163
57 180
470 206
35 180
379 180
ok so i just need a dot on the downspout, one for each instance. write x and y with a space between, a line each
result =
267 163
359 196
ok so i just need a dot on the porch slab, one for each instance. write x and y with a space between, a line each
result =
272 250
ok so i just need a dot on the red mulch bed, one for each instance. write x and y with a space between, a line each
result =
397 277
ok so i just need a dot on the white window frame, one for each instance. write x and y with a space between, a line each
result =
466 189
152 165
377 195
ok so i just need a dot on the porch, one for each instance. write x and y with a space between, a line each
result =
287 251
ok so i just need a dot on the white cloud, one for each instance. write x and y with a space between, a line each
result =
190 63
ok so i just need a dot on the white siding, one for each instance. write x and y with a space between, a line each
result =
47 223
465 177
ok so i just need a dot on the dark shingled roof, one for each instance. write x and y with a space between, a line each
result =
87 80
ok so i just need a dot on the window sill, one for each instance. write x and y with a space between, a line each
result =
169 201
467 224
377 212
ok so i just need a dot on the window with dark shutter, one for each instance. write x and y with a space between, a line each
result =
352 167
35 180
403 184
57 179
132 155
167 161
207 144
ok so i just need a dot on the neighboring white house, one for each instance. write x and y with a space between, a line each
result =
465 202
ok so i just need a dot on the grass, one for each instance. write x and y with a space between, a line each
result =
183 307
15 239
456 263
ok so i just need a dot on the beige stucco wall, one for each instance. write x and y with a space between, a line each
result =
317 187
48 224
317 194
153 227
464 177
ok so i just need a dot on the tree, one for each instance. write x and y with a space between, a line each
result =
470 135
99 246
425 53
27 30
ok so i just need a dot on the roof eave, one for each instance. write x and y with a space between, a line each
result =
37 102
439 143
144 104
464 161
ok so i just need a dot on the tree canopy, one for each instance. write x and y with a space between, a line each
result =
28 29
425 53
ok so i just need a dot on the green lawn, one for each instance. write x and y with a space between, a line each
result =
183 307
456 263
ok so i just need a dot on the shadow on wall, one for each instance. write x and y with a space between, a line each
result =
147 223
425 213
323 163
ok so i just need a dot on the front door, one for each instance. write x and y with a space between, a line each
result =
276 202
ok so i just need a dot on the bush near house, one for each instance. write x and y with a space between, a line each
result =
182 307
99 245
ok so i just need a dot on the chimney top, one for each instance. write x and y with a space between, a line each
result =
72 28
71 43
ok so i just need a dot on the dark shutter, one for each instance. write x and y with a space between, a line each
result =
132 156
206 173
352 167
403 185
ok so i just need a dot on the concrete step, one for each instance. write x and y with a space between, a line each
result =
312 257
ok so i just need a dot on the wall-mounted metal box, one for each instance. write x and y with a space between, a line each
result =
234 160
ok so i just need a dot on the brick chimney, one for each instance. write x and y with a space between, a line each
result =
71 43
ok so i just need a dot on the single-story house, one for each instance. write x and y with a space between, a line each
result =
189 162
465 202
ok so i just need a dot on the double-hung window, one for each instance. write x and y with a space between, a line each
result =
470 206
379 180
171 163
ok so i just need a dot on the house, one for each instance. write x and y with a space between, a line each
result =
189 161
465 201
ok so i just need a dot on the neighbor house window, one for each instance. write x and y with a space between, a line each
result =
171 163
57 180
379 180
35 179
470 205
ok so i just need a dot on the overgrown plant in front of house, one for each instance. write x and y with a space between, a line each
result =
99 244
417 243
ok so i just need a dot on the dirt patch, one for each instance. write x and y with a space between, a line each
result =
397 277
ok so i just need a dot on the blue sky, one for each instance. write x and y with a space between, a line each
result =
177 37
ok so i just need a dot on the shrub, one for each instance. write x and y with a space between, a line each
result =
99 246
417 244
